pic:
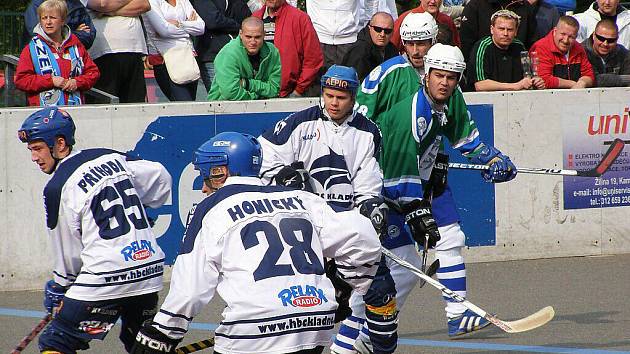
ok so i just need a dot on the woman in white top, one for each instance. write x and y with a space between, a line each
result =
171 23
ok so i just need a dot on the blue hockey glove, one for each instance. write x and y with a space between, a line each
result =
294 176
376 210
419 218
53 295
501 167
151 341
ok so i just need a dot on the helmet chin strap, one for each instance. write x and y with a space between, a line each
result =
56 159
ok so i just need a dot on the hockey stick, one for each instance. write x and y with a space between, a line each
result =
616 146
530 322
193 347
34 332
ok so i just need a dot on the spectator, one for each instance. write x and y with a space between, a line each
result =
610 61
223 21
55 68
250 67
170 24
119 47
373 46
495 62
562 62
292 32
476 21
78 20
602 9
337 24
546 17
433 8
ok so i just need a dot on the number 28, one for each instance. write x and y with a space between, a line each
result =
303 257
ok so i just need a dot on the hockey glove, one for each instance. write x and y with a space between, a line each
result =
53 296
439 173
376 210
343 291
151 341
294 176
420 220
501 167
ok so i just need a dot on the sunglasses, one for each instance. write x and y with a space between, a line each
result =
605 39
378 29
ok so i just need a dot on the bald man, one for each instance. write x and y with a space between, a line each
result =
373 45
248 68
610 60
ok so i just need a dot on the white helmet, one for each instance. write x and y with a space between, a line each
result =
418 27
445 57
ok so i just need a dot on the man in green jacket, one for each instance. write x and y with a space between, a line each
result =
248 67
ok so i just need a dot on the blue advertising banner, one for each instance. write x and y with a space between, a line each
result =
585 141
171 141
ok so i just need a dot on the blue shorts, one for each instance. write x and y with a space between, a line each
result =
78 322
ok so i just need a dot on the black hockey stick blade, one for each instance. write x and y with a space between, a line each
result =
431 271
615 149
193 347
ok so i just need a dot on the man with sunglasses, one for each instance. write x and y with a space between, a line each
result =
611 61
562 62
373 45
605 9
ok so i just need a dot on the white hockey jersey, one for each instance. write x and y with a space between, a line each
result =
341 159
102 243
262 249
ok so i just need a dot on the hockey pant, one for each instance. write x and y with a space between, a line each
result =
375 313
78 322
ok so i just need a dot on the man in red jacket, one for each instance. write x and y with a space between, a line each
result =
562 61
292 32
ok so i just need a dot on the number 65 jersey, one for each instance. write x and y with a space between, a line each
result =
262 249
102 243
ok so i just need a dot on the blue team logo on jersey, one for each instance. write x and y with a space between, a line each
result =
331 172
302 296
138 250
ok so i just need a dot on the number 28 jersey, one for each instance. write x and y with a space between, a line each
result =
102 243
262 249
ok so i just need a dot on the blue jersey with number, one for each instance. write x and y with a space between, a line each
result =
103 245
262 249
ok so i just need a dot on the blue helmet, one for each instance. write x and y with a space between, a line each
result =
241 153
47 124
341 78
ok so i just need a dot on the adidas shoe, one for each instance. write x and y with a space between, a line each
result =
466 323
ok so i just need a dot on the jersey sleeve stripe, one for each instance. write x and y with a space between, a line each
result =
371 86
177 315
174 329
